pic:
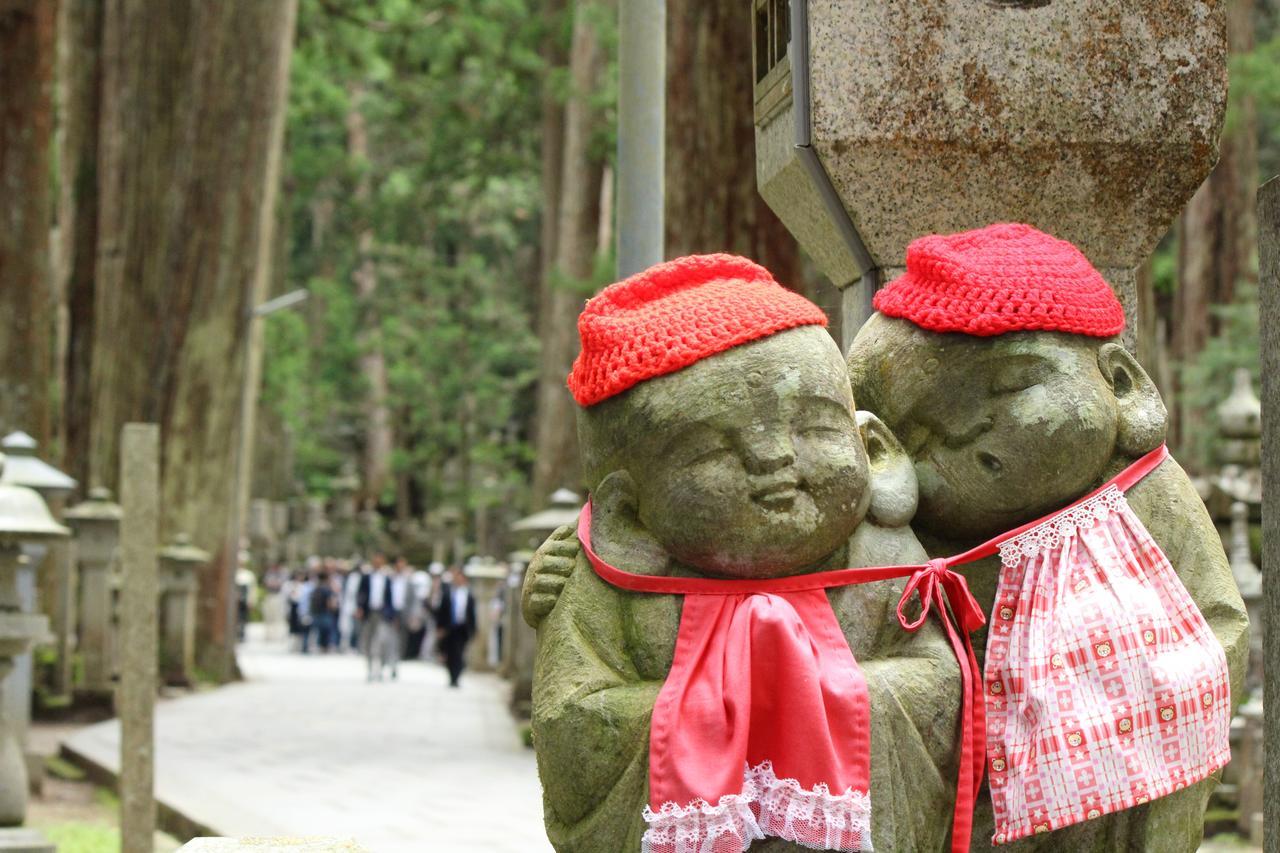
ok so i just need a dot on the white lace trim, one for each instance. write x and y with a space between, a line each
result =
1061 527
767 806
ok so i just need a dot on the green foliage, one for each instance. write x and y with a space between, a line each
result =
1206 380
451 99
83 837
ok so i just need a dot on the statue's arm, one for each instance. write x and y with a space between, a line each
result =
914 686
591 716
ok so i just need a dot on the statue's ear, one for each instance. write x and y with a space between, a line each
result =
894 492
617 533
1142 416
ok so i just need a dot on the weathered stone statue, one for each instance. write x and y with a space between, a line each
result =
747 462
1006 426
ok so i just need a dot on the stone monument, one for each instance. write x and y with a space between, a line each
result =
96 523
50 562
877 122
24 518
180 563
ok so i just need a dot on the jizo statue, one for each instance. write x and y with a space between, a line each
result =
722 448
1005 427
745 463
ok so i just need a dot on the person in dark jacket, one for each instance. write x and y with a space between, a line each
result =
455 622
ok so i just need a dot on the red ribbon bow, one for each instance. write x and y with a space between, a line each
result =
947 591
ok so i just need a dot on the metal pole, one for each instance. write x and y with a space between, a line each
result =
642 90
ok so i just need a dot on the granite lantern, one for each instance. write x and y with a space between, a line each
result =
51 594
24 518
96 523
180 563
877 122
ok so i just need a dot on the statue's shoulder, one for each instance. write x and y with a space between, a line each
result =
873 545
1167 503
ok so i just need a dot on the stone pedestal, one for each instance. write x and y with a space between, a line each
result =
522 646
20 677
487 580
18 632
96 523
22 840
179 564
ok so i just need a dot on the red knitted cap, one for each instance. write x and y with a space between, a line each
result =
675 313
1002 278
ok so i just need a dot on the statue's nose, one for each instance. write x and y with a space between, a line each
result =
766 454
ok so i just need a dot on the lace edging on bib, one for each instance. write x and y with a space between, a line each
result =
767 806
1061 527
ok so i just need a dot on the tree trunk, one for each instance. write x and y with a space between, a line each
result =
712 203
1218 229
27 47
373 364
79 76
191 124
581 173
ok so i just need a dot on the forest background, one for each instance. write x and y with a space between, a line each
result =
438 175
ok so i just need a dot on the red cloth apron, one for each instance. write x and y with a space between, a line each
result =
762 726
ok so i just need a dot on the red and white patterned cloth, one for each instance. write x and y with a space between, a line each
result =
1105 687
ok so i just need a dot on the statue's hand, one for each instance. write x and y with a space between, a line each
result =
550 567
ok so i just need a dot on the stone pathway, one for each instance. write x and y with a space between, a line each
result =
306 747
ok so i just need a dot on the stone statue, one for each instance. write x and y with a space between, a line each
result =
1006 428
747 463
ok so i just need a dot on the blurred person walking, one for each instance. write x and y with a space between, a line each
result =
349 620
455 622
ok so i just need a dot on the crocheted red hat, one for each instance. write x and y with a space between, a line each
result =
675 313
1002 278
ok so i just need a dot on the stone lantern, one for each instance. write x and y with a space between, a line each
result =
24 518
487 579
877 122
564 508
521 640
1240 422
96 523
56 582
180 564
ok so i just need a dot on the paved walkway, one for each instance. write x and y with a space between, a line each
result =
306 747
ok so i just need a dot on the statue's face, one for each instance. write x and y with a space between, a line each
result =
751 464
1002 430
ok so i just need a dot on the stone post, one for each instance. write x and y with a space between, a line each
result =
180 564
139 545
1269 299
97 526
24 518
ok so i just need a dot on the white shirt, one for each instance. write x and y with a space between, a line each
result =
459 605
377 587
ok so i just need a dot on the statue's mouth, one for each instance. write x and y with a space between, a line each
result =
777 497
